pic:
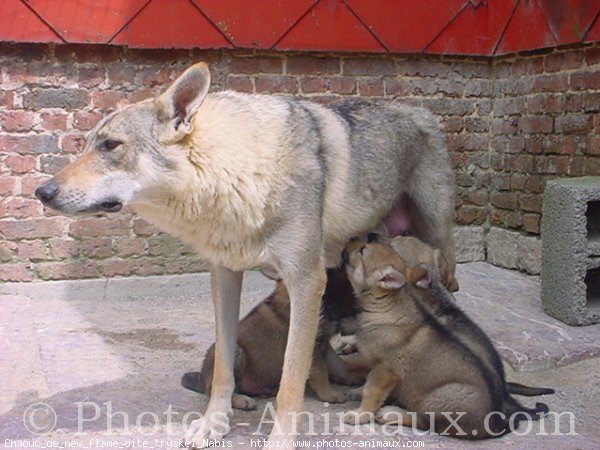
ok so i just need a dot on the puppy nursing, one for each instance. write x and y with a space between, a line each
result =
261 346
426 354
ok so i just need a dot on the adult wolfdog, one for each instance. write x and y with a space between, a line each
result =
255 180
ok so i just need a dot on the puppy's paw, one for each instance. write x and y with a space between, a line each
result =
243 402
358 417
390 415
208 430
332 396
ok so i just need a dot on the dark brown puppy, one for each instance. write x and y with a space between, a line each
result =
261 347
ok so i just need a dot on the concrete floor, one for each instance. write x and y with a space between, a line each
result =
97 364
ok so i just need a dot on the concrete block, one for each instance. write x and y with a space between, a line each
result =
470 244
502 247
570 287
529 254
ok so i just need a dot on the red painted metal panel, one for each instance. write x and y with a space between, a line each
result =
330 25
527 30
171 24
406 25
476 30
594 33
87 21
18 23
569 19
254 23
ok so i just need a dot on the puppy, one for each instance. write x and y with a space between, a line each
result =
416 252
261 347
419 361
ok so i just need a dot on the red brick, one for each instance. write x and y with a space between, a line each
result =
370 87
342 85
534 144
254 64
372 66
535 184
593 147
563 61
119 267
67 270
536 124
85 120
531 222
151 77
38 143
551 83
96 247
61 248
585 80
91 76
15 272
20 208
139 95
7 99
573 123
143 228
32 228
504 200
308 65
592 56
73 143
107 100
310 85
54 121
17 120
97 227
32 250
8 184
530 202
240 84
276 84
591 165
147 267
20 164
128 246
471 215
30 182
557 144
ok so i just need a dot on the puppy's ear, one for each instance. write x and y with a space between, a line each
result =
442 267
391 279
178 104
419 276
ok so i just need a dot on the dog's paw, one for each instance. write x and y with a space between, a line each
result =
243 402
333 396
354 395
389 414
208 430
358 417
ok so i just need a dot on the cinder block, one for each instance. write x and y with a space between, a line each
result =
571 250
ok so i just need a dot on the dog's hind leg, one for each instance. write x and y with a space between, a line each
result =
226 289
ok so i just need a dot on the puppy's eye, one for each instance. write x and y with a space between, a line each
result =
109 144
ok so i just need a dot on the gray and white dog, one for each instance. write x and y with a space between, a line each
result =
257 181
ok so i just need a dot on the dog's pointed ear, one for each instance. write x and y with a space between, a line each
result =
178 104
391 279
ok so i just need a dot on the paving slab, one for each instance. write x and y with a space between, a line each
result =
92 363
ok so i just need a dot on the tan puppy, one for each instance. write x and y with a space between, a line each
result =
261 347
418 360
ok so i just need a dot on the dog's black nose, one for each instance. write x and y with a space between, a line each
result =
373 237
47 192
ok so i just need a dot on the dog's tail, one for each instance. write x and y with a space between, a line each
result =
193 381
528 391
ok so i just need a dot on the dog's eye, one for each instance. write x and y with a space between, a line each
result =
110 144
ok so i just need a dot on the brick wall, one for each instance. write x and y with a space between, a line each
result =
511 124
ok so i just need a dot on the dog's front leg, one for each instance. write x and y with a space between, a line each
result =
226 289
306 289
